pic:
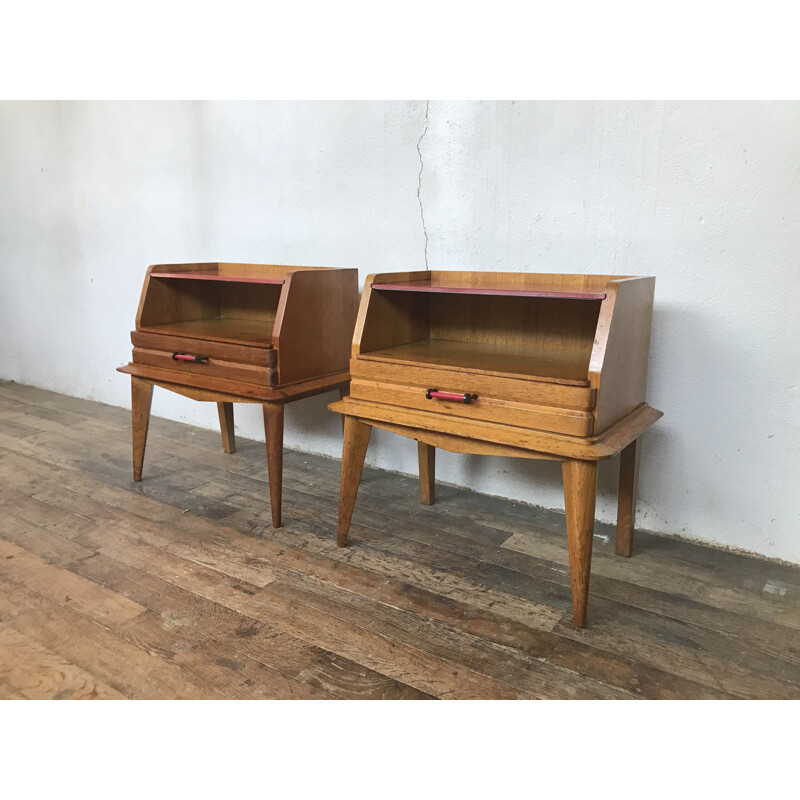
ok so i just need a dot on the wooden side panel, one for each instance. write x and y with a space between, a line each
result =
387 319
618 366
315 321
166 300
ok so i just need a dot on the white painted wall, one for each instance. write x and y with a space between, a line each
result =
706 196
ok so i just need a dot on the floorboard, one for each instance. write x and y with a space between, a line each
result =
178 586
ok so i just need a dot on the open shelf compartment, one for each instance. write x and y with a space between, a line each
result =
519 327
240 313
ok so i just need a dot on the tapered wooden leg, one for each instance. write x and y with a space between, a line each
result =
273 428
628 489
343 392
427 473
226 426
580 489
354 450
141 399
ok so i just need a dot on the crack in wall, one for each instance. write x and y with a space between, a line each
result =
419 183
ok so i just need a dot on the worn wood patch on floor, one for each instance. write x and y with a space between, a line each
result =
178 587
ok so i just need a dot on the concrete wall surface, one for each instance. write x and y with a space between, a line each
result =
703 195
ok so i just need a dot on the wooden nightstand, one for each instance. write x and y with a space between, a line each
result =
241 333
513 364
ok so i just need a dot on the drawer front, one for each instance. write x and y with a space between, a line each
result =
484 407
526 392
210 366
241 354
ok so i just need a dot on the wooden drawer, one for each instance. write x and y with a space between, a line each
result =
515 390
540 406
242 354
221 360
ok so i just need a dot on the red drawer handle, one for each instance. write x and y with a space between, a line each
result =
184 357
461 398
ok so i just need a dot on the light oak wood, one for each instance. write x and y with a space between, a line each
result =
459 444
559 366
618 366
425 288
580 474
542 281
485 407
521 389
580 485
427 473
344 391
628 490
387 320
141 399
601 447
225 411
529 365
273 429
354 451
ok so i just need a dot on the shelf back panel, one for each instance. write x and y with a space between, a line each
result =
172 301
557 366
537 323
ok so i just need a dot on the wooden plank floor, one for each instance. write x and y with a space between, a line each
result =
178 587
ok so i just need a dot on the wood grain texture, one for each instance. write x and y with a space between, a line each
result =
628 491
235 331
259 356
521 389
386 320
273 431
39 674
509 361
618 366
486 407
210 366
245 392
460 444
225 411
425 288
141 399
354 451
314 323
427 473
186 590
609 443
580 481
